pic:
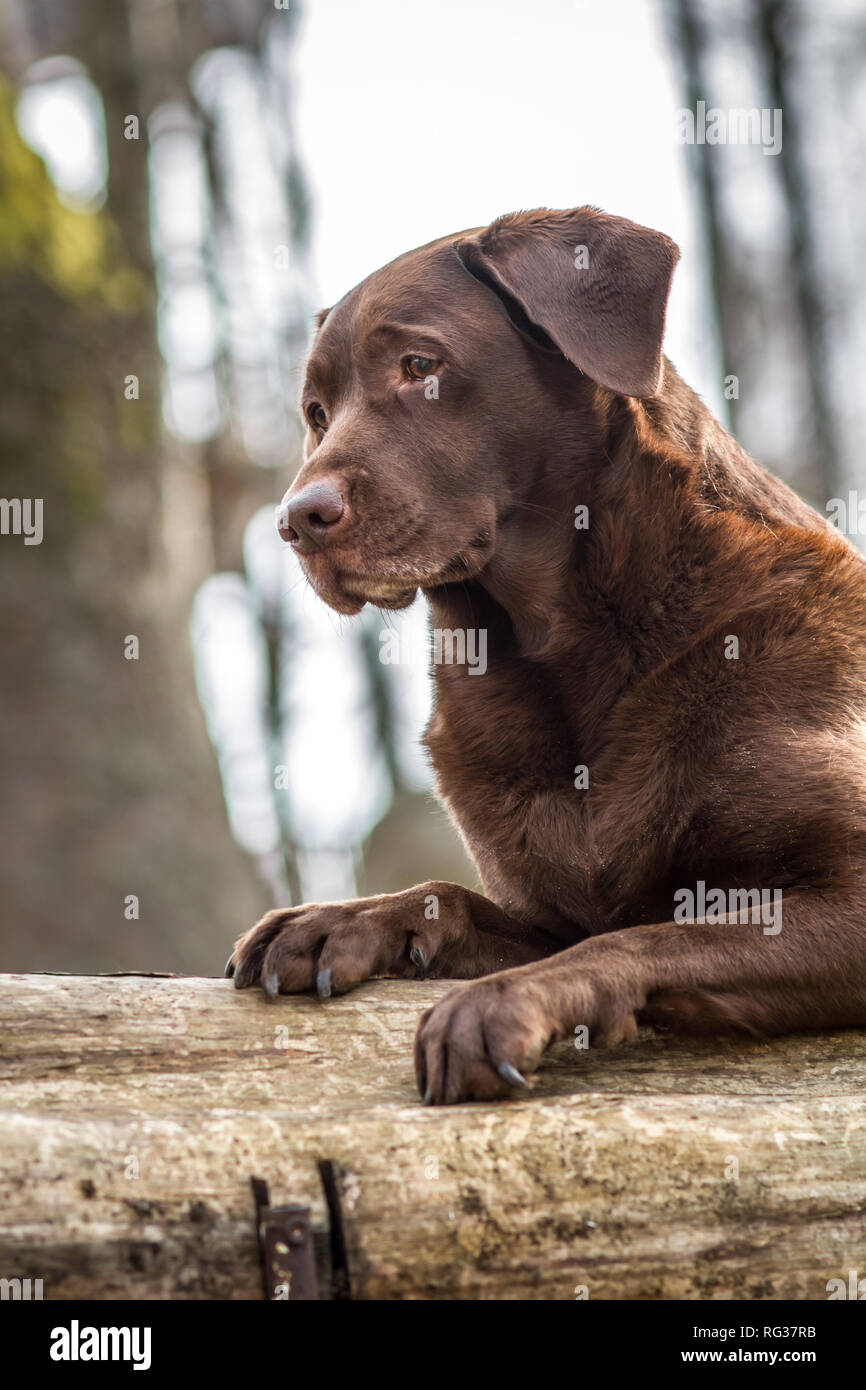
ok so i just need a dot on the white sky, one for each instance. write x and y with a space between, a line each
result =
417 120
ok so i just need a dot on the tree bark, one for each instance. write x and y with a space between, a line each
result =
662 1170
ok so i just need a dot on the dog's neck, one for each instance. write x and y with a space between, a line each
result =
668 498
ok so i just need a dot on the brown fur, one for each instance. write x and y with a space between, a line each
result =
606 648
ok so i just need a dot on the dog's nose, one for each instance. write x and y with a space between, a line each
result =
306 520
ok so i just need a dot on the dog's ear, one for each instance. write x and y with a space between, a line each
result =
596 286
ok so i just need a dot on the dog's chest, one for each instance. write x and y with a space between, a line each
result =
511 763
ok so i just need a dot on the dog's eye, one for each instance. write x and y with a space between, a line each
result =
419 367
317 417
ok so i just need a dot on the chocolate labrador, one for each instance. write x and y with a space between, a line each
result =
661 773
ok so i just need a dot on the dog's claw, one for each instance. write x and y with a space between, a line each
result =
511 1074
417 957
271 984
230 967
323 984
428 1096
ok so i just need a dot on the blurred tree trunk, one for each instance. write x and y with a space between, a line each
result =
772 292
778 29
110 789
727 289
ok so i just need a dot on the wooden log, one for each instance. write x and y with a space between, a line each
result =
135 1109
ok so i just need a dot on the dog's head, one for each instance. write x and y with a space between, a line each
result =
439 386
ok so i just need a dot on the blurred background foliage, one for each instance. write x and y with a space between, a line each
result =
157 288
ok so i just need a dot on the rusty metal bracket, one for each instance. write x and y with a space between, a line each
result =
285 1248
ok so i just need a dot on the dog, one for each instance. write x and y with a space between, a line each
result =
673 710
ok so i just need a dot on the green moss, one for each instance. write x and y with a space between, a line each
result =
76 316
76 253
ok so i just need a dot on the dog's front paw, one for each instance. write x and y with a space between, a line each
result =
329 947
485 1037
326 947
482 1040
423 932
